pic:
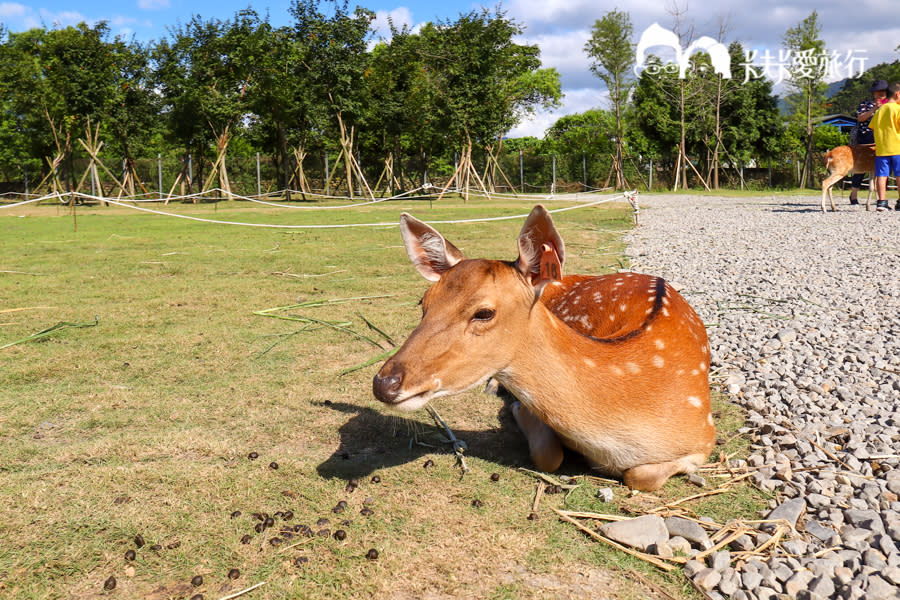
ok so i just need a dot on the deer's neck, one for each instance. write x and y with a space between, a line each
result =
558 371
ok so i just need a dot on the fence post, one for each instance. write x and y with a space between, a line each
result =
424 170
258 185
159 173
650 185
742 176
26 183
327 186
553 180
190 174
584 170
521 172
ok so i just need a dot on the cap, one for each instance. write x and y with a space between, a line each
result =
880 85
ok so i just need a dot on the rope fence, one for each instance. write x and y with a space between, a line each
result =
592 199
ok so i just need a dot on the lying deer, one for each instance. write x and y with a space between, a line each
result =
847 160
615 367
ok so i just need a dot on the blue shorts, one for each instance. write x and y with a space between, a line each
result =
884 165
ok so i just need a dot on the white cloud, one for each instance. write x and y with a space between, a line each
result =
564 51
399 16
12 10
575 101
61 19
153 4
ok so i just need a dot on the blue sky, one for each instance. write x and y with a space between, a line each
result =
863 32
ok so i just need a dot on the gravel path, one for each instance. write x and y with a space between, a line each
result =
803 314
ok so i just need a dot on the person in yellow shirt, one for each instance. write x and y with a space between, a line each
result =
886 125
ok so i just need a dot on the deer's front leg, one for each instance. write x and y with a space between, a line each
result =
543 443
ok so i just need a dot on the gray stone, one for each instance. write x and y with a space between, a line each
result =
751 580
786 335
639 532
689 530
818 530
692 567
879 589
720 560
789 510
742 543
679 545
797 582
707 579
822 586
892 574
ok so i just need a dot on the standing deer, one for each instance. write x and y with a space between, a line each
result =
614 367
847 160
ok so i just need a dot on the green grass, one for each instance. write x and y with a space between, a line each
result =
143 423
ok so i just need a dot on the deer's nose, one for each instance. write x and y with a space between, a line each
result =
387 388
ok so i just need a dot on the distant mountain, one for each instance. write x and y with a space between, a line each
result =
830 91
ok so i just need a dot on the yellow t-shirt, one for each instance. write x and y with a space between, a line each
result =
886 125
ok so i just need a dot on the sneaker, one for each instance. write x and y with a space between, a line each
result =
882 206
897 207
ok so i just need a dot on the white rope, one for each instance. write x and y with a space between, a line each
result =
27 201
335 226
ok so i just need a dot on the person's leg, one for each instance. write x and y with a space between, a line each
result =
855 184
882 170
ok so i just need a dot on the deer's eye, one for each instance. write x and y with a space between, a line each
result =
484 314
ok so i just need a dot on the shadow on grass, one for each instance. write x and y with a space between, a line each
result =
371 440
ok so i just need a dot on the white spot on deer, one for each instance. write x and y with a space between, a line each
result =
585 321
665 311
665 301
695 372
617 371
612 317
704 350
658 361
660 345
623 307
679 372
694 401
648 311
709 420
649 328
589 363
702 366
598 297
632 368
619 282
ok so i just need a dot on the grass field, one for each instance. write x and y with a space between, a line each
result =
142 421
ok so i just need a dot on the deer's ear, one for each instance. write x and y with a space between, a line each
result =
429 252
538 239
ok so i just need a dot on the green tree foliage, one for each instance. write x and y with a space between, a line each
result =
856 89
612 57
806 75
485 81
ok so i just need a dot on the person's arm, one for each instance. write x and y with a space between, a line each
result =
865 116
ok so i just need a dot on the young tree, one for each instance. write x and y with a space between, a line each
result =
806 75
612 54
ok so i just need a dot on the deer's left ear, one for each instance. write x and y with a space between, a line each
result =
539 240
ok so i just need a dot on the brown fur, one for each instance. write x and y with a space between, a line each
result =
615 366
843 161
